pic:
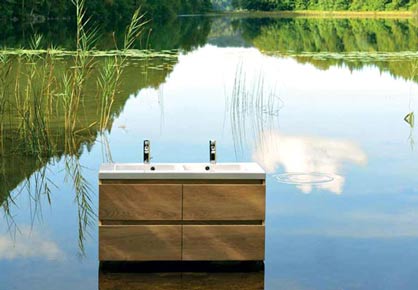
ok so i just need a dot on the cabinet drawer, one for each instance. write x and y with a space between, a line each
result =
140 202
223 243
140 243
224 202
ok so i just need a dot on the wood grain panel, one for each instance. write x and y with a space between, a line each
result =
223 202
159 222
140 202
223 243
182 181
181 281
140 243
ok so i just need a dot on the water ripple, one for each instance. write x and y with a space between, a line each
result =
304 178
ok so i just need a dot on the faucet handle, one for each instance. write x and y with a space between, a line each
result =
212 151
147 144
147 151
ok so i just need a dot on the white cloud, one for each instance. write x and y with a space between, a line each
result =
28 244
303 154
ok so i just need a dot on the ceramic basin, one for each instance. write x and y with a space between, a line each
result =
231 167
181 171
129 167
138 167
219 167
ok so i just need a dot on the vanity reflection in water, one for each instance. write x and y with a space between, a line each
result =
181 212
221 278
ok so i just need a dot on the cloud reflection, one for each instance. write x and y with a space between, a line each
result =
28 244
303 154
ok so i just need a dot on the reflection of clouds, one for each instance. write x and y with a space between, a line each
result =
308 155
336 185
28 244
360 224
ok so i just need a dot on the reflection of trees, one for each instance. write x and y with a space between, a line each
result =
183 33
386 43
35 135
55 105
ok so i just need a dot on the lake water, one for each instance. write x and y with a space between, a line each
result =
318 103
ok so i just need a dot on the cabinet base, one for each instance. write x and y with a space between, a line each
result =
181 266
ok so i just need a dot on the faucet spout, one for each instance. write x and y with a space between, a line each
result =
147 151
212 151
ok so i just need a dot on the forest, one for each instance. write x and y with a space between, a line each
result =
105 11
354 5
111 11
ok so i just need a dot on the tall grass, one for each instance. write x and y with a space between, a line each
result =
83 198
5 69
112 70
34 96
43 93
87 35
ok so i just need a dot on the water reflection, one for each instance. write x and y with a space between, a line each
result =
29 244
387 43
368 105
253 107
303 154
219 280
46 121
184 33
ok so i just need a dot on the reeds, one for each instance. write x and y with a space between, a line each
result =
112 70
44 93
83 198
34 96
5 69
252 109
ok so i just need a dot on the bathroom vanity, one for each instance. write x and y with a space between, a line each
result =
181 212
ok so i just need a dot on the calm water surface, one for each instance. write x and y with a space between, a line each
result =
320 104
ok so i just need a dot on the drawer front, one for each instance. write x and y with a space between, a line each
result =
245 280
223 243
140 202
140 243
224 202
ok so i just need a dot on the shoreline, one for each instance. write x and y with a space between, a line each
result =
317 14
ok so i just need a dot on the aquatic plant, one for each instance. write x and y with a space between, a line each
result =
252 108
410 117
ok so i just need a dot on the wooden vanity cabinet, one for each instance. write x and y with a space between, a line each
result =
174 220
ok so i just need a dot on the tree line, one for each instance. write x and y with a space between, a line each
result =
100 10
109 11
355 5
294 36
222 5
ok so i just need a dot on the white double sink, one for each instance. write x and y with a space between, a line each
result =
248 170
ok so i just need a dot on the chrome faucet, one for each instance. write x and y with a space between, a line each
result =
212 151
147 151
